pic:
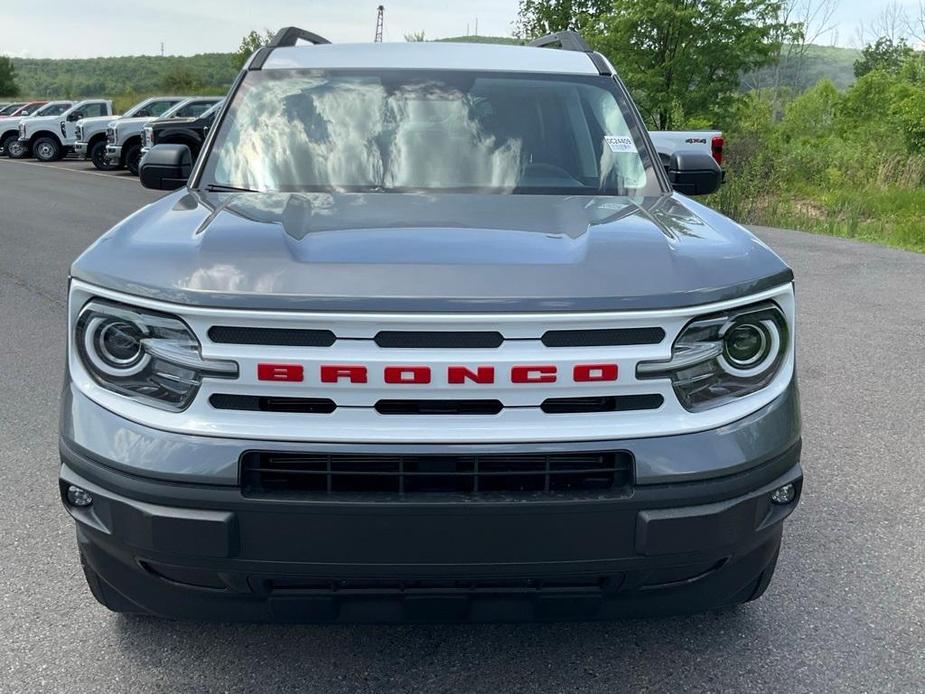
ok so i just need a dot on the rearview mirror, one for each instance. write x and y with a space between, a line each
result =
694 173
165 167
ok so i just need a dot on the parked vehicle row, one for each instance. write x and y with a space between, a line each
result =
50 130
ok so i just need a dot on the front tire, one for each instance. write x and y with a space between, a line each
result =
132 159
98 156
47 149
15 149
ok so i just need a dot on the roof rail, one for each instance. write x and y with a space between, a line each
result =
567 40
287 36
284 38
573 41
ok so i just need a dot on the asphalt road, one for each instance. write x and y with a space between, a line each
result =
846 611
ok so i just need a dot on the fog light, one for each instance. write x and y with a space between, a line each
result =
79 497
784 495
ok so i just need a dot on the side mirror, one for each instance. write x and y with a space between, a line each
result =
694 173
165 167
75 115
143 113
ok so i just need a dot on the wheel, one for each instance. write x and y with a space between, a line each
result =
106 596
47 149
132 158
14 148
98 156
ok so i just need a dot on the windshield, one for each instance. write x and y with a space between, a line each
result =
191 108
53 109
446 131
10 108
150 108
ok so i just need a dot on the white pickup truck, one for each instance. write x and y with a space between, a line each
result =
668 141
91 132
9 126
49 138
124 136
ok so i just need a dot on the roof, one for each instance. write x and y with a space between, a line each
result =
432 55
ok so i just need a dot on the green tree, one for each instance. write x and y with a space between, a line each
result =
884 54
254 41
181 80
538 17
683 59
415 37
8 85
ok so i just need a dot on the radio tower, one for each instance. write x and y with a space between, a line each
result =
379 17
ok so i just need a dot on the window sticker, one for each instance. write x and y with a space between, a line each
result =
620 143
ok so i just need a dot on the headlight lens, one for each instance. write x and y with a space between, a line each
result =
725 356
145 355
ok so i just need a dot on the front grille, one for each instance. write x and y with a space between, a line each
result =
257 403
446 340
294 474
285 337
424 406
603 338
439 407
614 403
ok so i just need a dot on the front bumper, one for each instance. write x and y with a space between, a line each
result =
178 546
113 154
81 149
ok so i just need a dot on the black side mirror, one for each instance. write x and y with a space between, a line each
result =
694 173
165 167
76 115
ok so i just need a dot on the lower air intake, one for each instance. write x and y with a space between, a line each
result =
288 474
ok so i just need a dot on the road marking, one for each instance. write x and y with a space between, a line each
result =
131 179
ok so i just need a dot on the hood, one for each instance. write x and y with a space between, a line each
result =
173 121
44 119
97 121
122 122
383 251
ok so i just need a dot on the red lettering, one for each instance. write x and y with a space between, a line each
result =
407 374
279 372
332 373
459 374
533 374
584 373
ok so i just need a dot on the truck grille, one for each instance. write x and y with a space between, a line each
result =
294 474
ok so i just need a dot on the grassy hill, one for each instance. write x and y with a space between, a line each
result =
819 62
213 73
142 74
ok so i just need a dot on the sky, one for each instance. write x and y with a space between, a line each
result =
90 28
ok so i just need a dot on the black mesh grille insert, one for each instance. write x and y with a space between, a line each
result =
272 473
447 340
603 338
258 403
285 337
486 407
618 403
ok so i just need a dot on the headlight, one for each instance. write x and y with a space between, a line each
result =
725 356
149 356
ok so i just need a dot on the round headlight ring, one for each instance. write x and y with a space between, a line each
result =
113 346
764 334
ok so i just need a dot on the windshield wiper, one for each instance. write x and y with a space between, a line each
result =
218 188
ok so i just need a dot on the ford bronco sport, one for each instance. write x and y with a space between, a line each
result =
428 333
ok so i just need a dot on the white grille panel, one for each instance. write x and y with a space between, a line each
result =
356 420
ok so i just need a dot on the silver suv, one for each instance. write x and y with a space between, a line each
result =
428 333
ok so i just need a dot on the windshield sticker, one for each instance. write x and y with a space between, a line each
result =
620 143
